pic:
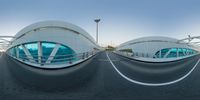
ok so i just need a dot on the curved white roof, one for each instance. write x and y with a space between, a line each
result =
150 38
52 23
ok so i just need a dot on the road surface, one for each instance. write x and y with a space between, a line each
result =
103 81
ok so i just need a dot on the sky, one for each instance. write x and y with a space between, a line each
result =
121 20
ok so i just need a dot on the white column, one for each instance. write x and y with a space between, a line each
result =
39 52
167 53
53 53
28 54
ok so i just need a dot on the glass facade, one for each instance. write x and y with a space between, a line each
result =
47 48
33 49
164 51
174 52
180 52
22 54
62 54
13 52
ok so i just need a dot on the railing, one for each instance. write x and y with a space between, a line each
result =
58 59
149 55
137 54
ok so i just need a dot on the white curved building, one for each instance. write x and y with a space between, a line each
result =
52 44
156 49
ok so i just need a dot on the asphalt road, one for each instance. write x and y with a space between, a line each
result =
103 82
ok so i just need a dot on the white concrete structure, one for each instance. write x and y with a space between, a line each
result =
52 44
150 48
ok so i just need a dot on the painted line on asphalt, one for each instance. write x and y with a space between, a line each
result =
152 84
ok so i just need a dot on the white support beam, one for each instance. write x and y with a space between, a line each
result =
184 53
187 53
28 54
7 37
17 52
167 53
177 52
53 53
160 54
5 40
39 52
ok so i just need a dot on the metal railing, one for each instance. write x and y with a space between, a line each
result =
58 59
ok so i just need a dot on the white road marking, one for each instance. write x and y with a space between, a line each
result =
152 84
106 60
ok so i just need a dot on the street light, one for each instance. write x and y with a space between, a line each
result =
97 21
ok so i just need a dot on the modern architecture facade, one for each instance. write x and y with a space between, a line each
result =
157 49
52 44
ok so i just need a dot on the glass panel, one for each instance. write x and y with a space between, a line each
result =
173 53
190 52
64 54
22 54
157 54
181 52
12 52
47 48
33 49
164 51
184 51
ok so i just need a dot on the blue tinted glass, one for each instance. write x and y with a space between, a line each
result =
190 51
173 53
164 51
47 48
22 54
33 49
184 51
63 54
181 52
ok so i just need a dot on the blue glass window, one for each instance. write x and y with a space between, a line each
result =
33 49
190 52
173 53
164 51
64 54
157 54
47 48
12 52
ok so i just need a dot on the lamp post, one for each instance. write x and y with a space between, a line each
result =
97 22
